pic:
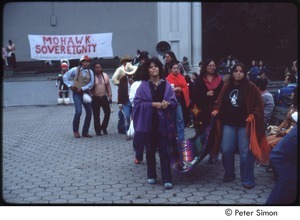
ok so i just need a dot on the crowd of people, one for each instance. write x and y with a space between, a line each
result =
160 100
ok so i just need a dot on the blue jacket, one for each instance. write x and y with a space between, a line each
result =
284 159
283 95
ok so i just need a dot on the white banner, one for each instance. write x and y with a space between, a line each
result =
57 47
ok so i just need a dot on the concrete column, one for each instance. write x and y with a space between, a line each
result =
196 34
174 26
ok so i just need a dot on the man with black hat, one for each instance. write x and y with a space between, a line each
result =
81 79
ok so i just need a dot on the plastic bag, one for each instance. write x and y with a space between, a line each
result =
130 132
87 98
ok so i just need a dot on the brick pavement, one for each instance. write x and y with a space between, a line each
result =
44 164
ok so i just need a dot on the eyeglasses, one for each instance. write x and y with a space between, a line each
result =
212 66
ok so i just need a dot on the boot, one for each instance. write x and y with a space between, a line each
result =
67 101
60 101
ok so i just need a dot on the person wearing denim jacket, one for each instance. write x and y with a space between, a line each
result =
81 80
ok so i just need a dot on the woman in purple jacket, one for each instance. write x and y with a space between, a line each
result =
153 102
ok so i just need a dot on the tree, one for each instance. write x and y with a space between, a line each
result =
260 31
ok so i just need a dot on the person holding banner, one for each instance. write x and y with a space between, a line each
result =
81 79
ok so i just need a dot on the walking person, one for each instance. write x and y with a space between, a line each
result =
123 96
101 98
207 89
154 100
118 74
181 90
138 77
240 110
81 79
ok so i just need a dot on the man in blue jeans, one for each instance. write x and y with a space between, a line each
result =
81 79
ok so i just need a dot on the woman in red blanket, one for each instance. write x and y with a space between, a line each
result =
181 90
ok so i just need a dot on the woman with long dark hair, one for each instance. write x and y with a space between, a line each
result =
169 59
206 91
153 101
240 110
102 96
181 90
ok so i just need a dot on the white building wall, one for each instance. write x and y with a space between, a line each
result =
135 25
179 23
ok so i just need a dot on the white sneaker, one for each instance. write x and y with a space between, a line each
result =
151 181
168 185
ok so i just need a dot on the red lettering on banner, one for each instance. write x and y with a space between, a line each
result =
74 47
70 41
63 40
87 39
94 46
51 49
79 41
47 39
63 49
57 50
37 48
55 40
44 49
69 50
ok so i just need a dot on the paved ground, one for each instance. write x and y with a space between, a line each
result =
44 164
